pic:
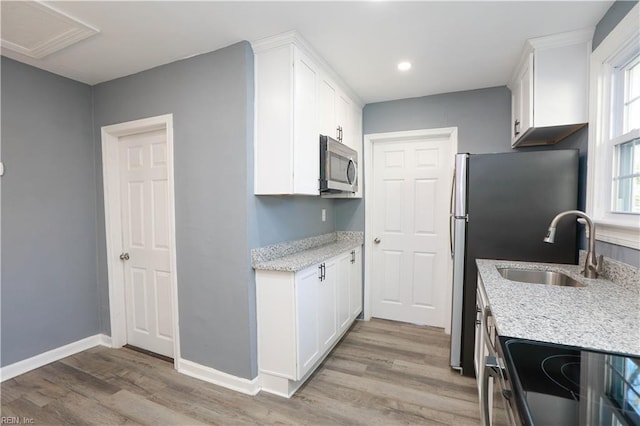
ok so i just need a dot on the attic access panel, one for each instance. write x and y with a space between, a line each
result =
36 30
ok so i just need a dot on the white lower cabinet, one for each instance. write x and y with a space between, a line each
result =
355 283
343 289
480 350
308 341
302 315
327 304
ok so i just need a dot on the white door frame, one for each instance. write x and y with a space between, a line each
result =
446 132
113 223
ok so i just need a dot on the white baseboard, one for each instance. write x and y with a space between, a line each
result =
190 368
12 370
105 340
208 374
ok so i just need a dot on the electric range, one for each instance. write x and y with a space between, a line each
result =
564 386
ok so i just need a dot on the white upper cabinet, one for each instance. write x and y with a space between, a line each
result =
549 89
298 98
327 95
287 157
352 137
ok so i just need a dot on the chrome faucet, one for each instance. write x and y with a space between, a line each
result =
592 264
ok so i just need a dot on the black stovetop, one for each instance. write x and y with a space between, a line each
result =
565 386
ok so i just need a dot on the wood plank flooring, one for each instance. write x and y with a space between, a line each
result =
381 373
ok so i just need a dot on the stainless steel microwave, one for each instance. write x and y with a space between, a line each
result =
338 166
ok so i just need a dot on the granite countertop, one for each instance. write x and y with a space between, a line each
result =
293 256
604 315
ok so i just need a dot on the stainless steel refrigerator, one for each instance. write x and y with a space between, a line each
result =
501 207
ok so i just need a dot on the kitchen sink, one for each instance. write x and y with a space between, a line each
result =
535 276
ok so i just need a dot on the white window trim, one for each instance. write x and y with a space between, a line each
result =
616 228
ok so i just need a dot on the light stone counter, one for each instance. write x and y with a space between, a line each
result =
604 315
296 255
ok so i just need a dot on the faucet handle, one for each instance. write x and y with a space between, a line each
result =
595 267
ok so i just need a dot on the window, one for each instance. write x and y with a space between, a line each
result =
625 122
632 95
622 389
626 178
613 187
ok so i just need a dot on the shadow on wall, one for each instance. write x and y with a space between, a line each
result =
284 218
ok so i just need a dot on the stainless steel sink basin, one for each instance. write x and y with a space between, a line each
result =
539 277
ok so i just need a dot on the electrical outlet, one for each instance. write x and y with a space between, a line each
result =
324 215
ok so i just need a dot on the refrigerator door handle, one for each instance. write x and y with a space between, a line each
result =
460 194
453 190
451 219
451 211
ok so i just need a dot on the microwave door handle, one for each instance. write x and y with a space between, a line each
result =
355 172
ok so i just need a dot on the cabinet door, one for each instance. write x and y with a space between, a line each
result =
516 111
479 349
527 95
326 301
522 101
343 118
353 138
273 150
306 155
327 107
526 84
308 348
343 289
355 284
355 142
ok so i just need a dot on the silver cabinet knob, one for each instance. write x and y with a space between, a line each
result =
124 256
377 241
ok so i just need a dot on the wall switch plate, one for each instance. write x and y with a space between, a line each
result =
1 168
324 215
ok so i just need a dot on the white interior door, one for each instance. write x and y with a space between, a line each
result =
145 207
410 268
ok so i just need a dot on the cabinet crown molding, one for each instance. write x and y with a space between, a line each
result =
584 35
562 39
282 39
294 38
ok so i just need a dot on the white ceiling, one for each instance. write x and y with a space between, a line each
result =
453 45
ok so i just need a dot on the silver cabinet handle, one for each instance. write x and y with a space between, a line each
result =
124 256
377 241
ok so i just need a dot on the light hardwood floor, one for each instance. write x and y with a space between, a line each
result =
382 373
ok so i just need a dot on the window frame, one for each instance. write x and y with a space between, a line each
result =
617 228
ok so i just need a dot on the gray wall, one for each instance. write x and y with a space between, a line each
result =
284 218
482 116
208 96
615 14
49 294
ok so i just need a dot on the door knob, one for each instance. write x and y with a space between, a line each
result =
124 256
377 241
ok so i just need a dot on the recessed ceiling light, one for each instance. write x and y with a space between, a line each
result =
404 66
